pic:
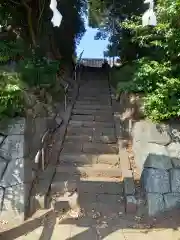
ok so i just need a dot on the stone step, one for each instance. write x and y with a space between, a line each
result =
92 112
82 118
84 159
94 133
95 102
89 147
97 118
91 124
93 107
64 182
89 138
93 170
76 131
93 92
100 148
104 118
94 98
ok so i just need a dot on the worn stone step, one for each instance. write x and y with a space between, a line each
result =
104 139
72 147
79 138
89 138
91 112
82 118
93 170
97 118
95 102
84 159
95 89
64 182
93 107
97 92
94 98
100 148
98 129
91 124
86 93
76 131
104 118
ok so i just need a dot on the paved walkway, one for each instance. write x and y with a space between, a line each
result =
91 167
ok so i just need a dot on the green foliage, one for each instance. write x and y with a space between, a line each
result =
32 40
11 100
28 75
123 74
164 102
157 72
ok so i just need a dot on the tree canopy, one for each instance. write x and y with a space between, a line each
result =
30 20
40 50
152 53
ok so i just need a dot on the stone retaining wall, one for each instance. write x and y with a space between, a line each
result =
21 145
157 156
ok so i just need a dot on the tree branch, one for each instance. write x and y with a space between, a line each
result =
17 3
40 15
29 18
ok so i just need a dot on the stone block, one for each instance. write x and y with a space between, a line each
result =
15 126
3 164
174 150
156 155
131 204
13 204
148 132
174 131
172 201
175 180
175 162
129 187
155 203
155 180
158 160
14 173
12 147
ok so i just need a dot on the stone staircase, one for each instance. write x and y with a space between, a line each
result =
89 162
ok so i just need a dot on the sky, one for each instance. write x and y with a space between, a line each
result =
92 48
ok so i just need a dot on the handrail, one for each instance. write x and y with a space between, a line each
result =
65 84
77 65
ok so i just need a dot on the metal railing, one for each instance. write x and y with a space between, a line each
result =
66 83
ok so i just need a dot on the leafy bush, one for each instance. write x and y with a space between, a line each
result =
164 102
123 74
145 76
29 74
157 75
11 100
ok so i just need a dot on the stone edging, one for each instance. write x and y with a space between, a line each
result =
43 187
157 157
